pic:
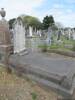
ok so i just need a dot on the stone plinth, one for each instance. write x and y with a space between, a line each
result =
4 53
5 40
4 33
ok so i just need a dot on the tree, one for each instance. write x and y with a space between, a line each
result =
11 21
48 21
59 25
32 21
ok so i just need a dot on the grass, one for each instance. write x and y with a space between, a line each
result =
34 96
13 87
54 46
43 47
67 45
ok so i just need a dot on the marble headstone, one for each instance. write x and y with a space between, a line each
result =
30 31
19 36
49 34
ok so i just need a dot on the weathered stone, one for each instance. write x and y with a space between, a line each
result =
67 83
5 40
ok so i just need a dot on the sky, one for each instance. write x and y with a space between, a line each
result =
63 11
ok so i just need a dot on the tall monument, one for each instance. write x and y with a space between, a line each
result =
5 40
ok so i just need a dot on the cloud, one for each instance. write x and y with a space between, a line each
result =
58 6
71 1
66 16
62 10
16 7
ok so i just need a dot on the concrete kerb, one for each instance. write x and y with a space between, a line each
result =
61 52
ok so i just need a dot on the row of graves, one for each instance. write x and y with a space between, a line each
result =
68 34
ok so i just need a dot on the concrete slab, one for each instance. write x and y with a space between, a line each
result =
59 70
57 65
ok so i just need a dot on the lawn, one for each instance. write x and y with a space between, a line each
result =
64 44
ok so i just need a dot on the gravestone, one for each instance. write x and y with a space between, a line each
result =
30 31
5 40
19 36
59 34
49 36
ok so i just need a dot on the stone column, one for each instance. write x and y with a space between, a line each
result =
5 40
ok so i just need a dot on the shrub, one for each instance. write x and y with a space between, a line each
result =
34 96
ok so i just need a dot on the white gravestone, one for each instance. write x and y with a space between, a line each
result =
30 31
19 36
49 34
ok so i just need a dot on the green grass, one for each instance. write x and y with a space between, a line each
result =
67 45
43 47
67 41
34 96
54 46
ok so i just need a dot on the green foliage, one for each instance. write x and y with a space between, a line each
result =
48 21
11 21
43 47
54 27
34 96
73 47
32 21
28 21
54 46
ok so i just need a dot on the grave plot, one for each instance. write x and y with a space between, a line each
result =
54 72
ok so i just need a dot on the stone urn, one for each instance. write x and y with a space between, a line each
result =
2 12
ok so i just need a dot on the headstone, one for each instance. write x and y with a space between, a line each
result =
39 32
30 31
35 31
11 34
19 36
66 35
73 34
49 34
69 33
5 40
59 35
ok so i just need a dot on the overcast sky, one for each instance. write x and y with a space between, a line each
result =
62 10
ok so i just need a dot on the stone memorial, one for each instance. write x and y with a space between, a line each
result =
39 32
59 34
30 31
49 34
19 36
5 40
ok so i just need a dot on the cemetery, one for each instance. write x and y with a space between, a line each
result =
19 50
